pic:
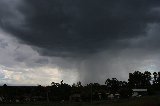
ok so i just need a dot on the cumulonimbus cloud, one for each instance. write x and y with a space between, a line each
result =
68 28
96 39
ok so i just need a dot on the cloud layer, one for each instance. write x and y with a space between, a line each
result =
93 39
68 28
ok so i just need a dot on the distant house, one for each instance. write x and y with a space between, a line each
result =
75 97
117 96
38 98
111 96
139 92
100 96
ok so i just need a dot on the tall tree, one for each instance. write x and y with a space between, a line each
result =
113 85
139 79
155 75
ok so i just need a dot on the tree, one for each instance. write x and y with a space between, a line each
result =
139 80
155 78
147 79
158 78
113 85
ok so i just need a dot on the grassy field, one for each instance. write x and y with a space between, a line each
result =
143 101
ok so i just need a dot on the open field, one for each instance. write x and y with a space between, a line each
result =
143 101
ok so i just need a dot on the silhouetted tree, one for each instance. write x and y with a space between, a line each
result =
139 80
155 78
147 79
113 85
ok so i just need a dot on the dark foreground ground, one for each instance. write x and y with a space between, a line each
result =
143 101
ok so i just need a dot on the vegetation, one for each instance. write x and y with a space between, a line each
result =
93 92
144 101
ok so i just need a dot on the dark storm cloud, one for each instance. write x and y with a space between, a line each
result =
74 27
3 43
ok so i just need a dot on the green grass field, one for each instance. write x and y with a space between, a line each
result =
143 101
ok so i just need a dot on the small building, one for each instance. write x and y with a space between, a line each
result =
117 96
139 92
38 98
75 98
100 96
111 96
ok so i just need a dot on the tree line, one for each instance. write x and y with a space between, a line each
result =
63 91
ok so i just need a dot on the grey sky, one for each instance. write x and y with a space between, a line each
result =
49 40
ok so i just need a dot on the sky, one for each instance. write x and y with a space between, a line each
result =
44 41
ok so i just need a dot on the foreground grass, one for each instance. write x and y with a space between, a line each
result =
143 101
